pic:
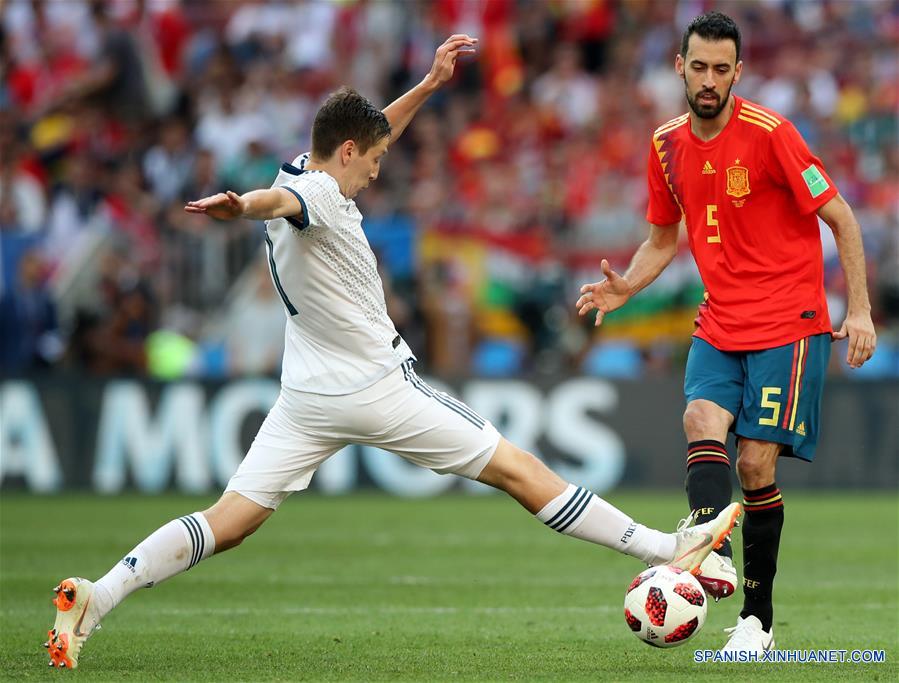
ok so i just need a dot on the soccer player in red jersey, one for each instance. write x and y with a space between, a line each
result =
750 194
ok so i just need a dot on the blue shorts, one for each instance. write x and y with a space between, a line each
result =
773 394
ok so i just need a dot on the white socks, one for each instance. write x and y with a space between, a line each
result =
170 550
578 512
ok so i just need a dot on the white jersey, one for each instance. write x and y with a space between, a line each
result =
339 338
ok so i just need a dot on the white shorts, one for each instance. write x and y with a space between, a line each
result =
399 413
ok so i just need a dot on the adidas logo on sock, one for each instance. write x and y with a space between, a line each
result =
131 563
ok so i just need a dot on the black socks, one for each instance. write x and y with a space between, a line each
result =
762 525
708 482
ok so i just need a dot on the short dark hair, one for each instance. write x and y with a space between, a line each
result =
712 26
347 115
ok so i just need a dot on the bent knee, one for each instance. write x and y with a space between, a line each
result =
753 468
747 467
228 538
233 518
706 418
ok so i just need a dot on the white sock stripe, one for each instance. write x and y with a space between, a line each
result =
195 534
578 514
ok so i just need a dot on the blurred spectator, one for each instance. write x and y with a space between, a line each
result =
111 339
252 168
226 129
73 205
567 91
30 336
23 206
113 81
168 165
254 333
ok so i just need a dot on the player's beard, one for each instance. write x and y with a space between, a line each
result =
707 111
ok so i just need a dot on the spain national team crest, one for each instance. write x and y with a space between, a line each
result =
737 180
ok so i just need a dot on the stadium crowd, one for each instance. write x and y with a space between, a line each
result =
501 199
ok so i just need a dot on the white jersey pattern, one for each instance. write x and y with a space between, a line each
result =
339 338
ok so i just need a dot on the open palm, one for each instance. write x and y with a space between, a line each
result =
224 206
604 296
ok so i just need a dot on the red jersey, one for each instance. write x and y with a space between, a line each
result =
749 198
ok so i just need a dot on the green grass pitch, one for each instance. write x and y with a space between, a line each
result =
371 588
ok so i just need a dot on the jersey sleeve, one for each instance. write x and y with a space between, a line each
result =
315 197
663 209
794 166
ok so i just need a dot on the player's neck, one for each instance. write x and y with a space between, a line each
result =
706 129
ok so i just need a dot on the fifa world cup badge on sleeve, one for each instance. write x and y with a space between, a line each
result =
737 180
817 184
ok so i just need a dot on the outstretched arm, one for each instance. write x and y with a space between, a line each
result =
257 205
400 112
858 325
651 258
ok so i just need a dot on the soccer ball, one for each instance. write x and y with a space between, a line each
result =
664 606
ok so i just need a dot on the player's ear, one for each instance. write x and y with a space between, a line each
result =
679 65
347 150
738 69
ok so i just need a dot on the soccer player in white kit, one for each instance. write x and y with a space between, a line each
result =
348 377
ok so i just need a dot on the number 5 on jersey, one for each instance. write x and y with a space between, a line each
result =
712 222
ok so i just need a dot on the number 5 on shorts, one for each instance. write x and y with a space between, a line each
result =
767 402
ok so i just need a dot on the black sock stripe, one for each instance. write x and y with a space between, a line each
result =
202 547
573 511
192 532
196 535
202 538
571 502
568 504
199 533
577 514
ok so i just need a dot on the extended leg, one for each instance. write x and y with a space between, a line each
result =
577 512
170 550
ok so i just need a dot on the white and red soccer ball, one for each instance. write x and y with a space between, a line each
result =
665 606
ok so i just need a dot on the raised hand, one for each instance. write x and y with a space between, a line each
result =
225 206
446 55
605 296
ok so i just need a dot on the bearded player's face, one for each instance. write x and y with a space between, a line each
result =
709 69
